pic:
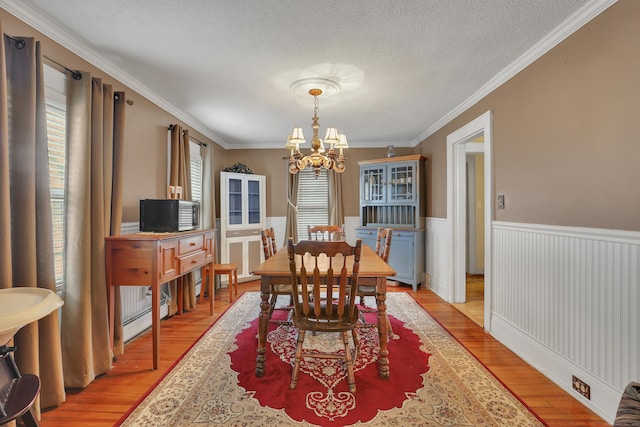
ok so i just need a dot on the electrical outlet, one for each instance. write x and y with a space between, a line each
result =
500 201
581 387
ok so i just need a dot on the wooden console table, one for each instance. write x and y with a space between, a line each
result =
151 259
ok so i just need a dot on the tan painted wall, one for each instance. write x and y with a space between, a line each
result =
273 164
566 145
145 156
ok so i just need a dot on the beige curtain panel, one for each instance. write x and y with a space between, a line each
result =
180 174
26 246
335 204
95 129
292 207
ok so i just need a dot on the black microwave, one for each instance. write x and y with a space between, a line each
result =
169 215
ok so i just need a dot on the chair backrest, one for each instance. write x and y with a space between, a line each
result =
319 271
327 233
383 243
268 242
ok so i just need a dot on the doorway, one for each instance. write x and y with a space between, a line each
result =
473 138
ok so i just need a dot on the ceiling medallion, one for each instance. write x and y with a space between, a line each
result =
302 87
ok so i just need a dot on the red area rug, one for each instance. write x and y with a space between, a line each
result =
322 395
434 381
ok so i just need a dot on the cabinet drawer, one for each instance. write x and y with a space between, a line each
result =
242 233
192 261
190 244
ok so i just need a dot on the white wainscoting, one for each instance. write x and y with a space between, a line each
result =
437 256
567 301
350 225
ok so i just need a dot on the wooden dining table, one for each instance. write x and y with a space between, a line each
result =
373 272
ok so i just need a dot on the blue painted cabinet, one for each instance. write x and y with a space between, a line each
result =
390 197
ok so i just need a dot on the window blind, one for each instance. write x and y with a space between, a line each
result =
313 201
56 111
196 172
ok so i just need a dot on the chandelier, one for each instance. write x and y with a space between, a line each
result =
319 157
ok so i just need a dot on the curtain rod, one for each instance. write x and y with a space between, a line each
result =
204 144
20 44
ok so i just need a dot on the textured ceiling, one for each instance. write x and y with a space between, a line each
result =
224 67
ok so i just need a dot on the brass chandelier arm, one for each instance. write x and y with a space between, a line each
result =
317 159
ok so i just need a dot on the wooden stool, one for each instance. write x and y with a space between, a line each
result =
219 269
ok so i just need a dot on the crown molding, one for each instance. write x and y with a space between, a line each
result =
561 32
52 29
66 39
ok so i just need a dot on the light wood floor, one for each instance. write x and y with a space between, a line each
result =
473 308
104 401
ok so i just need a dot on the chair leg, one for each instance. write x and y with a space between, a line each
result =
272 304
235 281
356 343
297 359
389 328
204 285
230 286
351 379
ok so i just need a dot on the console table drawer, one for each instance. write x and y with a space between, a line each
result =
192 261
190 244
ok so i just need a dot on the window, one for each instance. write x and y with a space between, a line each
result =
196 171
56 109
196 187
313 200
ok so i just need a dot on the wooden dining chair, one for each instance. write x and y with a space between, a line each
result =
229 269
270 248
324 302
327 233
268 242
383 247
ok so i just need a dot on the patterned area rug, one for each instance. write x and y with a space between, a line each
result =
434 380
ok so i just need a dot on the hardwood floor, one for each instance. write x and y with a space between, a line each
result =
105 400
473 308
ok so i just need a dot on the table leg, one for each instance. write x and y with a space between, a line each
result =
383 330
112 322
263 324
211 287
155 323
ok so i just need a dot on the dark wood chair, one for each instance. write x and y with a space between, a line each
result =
324 303
326 233
383 246
270 248
18 392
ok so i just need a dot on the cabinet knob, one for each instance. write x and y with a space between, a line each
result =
192 243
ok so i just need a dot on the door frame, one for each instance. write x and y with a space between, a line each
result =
456 208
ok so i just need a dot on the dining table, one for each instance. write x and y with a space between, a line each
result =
373 272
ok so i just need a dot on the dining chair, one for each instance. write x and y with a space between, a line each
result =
268 242
327 233
229 269
270 248
333 312
383 247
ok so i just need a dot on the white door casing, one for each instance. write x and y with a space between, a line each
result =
456 207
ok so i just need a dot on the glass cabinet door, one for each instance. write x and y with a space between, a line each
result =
253 194
401 183
235 201
373 184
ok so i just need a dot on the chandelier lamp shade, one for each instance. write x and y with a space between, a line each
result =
319 158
